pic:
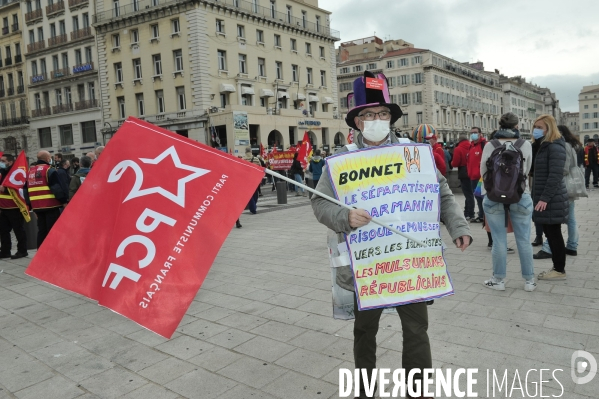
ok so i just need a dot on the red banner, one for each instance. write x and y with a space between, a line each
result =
281 160
305 151
159 207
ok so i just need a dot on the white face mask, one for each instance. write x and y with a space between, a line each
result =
376 130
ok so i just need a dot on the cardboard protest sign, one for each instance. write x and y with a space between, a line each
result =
397 185
152 216
281 160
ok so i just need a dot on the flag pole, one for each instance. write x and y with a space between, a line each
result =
275 174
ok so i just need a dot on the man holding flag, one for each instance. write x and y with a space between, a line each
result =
13 212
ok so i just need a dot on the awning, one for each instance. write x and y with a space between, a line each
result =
226 88
247 90
266 93
298 96
313 99
283 94
327 100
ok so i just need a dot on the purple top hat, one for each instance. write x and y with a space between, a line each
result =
371 91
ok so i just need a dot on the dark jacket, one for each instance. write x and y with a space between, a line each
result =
549 184
296 168
58 183
76 181
535 148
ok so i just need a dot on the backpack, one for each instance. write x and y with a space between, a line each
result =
504 179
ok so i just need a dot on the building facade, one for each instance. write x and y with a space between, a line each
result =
227 73
63 76
571 120
588 109
14 123
429 87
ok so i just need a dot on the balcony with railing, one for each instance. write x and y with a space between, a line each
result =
34 15
78 3
20 89
62 108
86 104
55 8
15 27
18 58
11 91
88 66
37 46
8 61
60 73
235 5
36 113
5 30
82 33
22 120
39 78
8 2
57 40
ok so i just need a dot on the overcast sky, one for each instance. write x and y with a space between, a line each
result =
553 43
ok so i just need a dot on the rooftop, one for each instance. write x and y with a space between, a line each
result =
404 51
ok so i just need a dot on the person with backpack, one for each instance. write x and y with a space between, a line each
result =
549 192
504 166
78 178
573 145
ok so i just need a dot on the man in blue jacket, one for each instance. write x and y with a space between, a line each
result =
315 167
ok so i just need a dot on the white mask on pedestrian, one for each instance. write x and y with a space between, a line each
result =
376 130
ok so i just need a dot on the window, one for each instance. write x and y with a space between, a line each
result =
279 69
121 105
181 98
220 26
371 66
139 99
34 68
254 6
586 126
85 17
45 137
304 19
345 86
323 78
308 48
419 117
118 72
88 132
344 70
417 78
38 101
391 81
309 74
261 67
116 41
317 23
88 55
260 36
115 8
357 68
224 99
595 114
417 60
289 14
278 41
222 60
594 105
243 63
160 106
418 97
178 57
66 134
76 22
294 73
134 36
294 45
404 119
585 115
321 50
403 80
176 28
586 106
157 64
405 98
403 62
58 96
78 58
273 9
154 31
344 102
240 31
65 60
390 64
137 69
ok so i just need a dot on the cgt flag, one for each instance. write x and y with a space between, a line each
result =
305 151
160 207
14 182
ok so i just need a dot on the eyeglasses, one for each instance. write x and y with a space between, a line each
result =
369 116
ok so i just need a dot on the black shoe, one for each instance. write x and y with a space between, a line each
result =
571 252
19 255
476 220
238 225
5 256
538 241
542 255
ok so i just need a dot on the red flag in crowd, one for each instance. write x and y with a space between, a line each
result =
263 153
160 206
305 151
350 136
15 181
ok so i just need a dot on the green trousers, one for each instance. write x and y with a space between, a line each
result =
416 351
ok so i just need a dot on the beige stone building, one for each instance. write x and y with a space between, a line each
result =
588 103
62 64
229 73
14 115
571 120
429 87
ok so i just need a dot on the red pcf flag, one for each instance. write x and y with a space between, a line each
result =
157 207
305 151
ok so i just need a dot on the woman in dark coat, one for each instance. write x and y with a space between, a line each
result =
550 197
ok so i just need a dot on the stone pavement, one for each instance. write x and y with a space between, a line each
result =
261 325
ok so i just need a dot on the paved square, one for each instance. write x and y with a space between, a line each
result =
261 325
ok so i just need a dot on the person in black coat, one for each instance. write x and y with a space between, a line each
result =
550 197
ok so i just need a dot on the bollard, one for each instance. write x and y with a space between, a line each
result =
281 192
31 231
